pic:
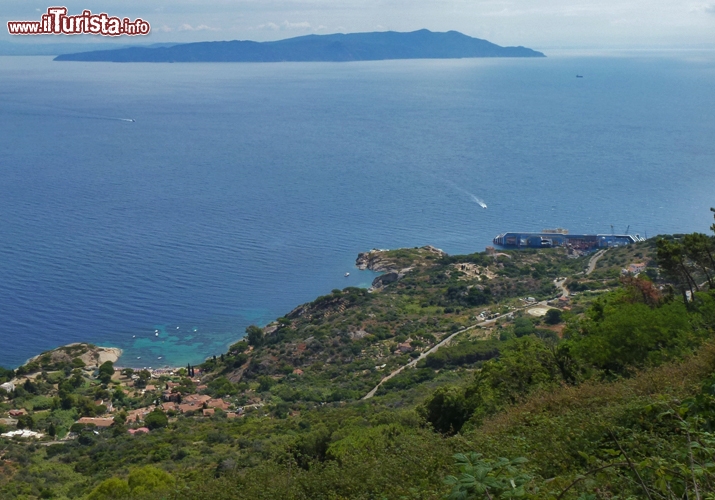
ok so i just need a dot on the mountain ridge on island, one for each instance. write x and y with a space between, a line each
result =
372 46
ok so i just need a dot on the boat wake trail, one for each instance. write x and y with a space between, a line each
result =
454 186
26 108
478 201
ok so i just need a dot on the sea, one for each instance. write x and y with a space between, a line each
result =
162 208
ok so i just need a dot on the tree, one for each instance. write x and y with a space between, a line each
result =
118 395
477 297
30 387
120 418
238 347
641 289
523 326
221 386
671 257
156 419
553 316
6 374
77 380
149 480
110 489
265 383
144 377
254 335
25 422
447 410
699 248
106 370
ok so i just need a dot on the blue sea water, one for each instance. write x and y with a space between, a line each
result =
243 190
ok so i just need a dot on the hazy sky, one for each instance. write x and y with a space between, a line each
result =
533 23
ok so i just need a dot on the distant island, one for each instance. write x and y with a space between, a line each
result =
375 46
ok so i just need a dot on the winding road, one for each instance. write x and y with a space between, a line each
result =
422 356
594 260
446 341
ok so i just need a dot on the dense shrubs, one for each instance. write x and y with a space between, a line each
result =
463 353
406 379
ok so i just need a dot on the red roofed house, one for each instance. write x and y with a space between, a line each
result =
637 268
217 403
140 430
405 347
99 422
171 396
197 398
138 415
186 407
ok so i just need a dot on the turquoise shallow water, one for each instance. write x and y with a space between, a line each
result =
243 190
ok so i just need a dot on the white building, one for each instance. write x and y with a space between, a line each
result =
8 386
22 433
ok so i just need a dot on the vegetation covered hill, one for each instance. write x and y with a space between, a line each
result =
604 392
375 46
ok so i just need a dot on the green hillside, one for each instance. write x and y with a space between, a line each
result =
471 376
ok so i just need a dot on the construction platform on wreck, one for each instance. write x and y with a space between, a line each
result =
561 238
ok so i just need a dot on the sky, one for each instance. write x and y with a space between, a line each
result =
538 24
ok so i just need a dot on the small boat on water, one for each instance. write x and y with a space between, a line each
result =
156 334
579 76
347 274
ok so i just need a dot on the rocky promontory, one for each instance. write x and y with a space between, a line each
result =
89 355
395 263
387 261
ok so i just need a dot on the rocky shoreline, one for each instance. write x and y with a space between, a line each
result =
379 260
91 355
